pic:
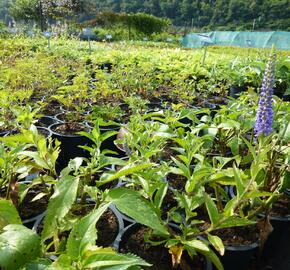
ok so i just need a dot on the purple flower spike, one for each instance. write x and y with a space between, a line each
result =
265 113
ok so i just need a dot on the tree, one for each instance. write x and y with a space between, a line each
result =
42 10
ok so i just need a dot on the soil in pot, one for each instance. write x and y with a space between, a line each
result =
28 209
276 250
158 256
70 142
69 129
52 108
66 116
46 121
235 91
241 245
44 131
107 228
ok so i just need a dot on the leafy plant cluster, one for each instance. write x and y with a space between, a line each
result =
182 154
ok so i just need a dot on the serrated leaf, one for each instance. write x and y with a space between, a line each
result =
18 245
8 214
131 203
40 264
63 262
59 204
105 260
84 233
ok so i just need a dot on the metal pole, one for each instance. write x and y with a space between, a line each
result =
90 46
254 22
204 55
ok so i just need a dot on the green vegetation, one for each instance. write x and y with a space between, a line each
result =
201 15
160 139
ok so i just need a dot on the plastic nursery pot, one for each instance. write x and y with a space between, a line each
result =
286 98
44 131
239 257
156 106
109 143
46 121
159 256
235 91
278 240
70 142
109 226
33 223
4 133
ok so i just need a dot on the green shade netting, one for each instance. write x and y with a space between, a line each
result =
242 39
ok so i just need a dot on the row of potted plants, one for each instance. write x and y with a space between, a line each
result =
176 175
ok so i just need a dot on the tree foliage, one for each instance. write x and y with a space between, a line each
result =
207 14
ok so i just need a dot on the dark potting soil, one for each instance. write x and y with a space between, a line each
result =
238 236
281 208
52 108
168 152
107 226
176 181
43 131
69 128
107 229
28 209
158 256
65 117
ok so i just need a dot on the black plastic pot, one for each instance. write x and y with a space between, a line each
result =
154 106
46 121
109 143
238 257
33 223
128 231
236 90
279 240
44 131
4 133
69 145
286 97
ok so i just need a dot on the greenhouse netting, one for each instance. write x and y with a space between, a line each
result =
242 39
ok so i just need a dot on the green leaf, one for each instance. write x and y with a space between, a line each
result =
18 245
131 203
217 243
212 210
233 221
239 181
213 257
40 264
106 258
160 194
197 175
37 158
8 214
197 244
84 233
63 262
59 204
129 169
